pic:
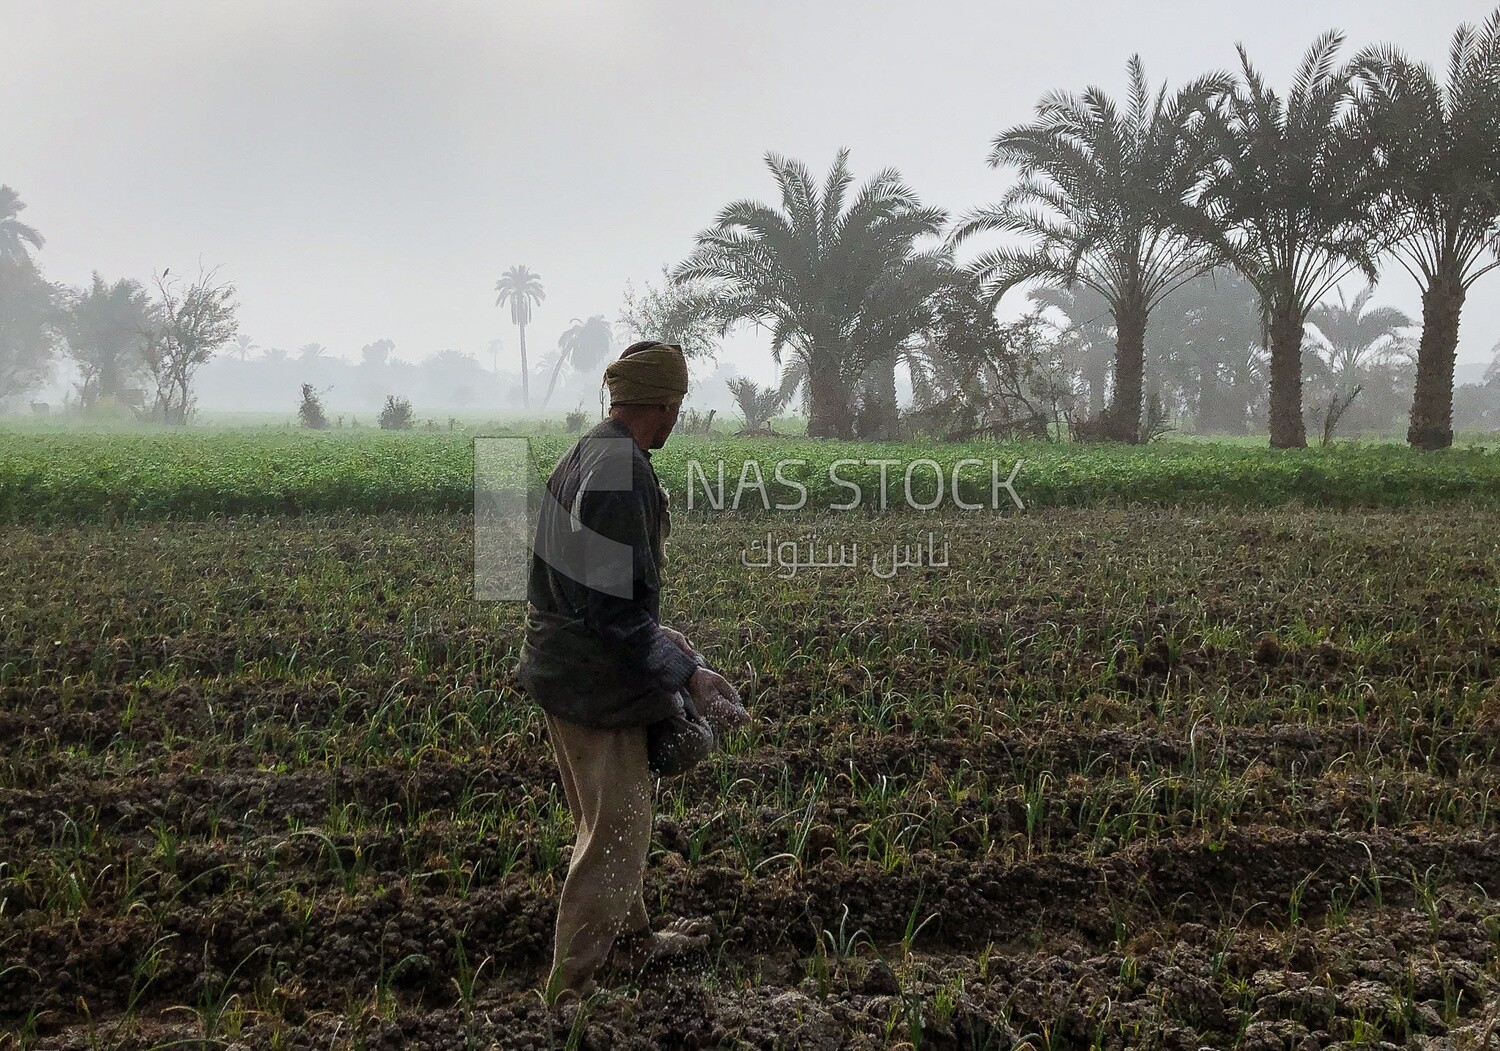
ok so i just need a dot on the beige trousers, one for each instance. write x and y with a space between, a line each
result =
608 785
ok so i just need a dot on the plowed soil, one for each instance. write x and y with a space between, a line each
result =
1112 778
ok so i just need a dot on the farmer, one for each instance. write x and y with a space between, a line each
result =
603 668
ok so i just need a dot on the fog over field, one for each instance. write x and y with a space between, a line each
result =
367 171
637 525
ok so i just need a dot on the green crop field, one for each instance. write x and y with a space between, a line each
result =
1198 750
52 476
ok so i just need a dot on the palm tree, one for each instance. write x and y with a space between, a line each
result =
586 344
1209 344
521 289
1100 201
1440 144
1088 330
312 352
757 404
1350 334
14 234
892 335
243 345
1291 205
836 279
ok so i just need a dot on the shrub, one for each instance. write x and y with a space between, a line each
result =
696 423
397 415
311 409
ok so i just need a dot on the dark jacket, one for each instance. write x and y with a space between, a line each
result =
593 653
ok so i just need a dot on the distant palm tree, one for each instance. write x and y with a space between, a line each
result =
521 289
1291 206
242 347
1089 330
1441 144
14 234
840 281
1350 334
585 344
1208 345
311 352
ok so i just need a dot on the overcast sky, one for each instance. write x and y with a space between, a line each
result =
367 170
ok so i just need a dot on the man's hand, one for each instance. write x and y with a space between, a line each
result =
718 701
679 638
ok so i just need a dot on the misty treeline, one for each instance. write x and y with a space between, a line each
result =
1184 254
135 346
1181 249
154 351
352 391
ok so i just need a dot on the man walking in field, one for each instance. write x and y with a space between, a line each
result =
603 668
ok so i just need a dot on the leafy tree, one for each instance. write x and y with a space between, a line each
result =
1439 144
522 289
586 344
106 327
830 275
14 234
377 354
1292 205
680 312
1101 202
28 328
975 377
192 322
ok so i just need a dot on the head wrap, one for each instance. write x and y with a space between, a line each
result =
648 374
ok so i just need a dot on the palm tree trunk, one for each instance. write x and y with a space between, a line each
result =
1130 369
562 355
1288 431
884 390
525 371
828 409
1432 401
